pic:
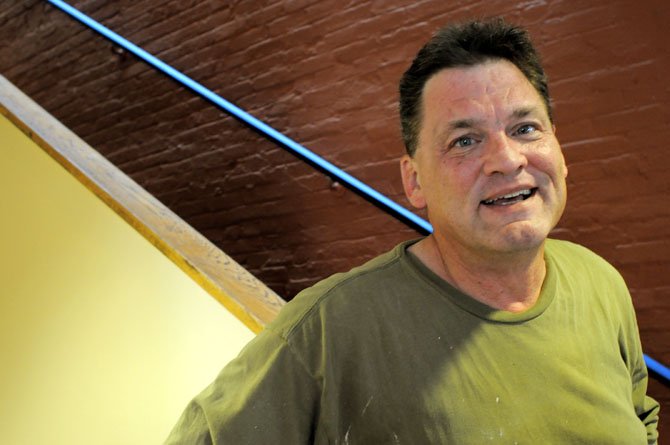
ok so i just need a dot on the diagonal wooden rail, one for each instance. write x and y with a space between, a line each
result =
241 293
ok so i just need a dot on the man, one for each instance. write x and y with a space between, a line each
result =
485 331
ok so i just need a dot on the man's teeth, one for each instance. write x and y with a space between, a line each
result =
524 193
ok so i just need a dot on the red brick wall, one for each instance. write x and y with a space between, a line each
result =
326 75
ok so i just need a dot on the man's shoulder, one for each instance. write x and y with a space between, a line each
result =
574 258
343 292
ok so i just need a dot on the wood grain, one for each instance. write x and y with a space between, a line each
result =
239 291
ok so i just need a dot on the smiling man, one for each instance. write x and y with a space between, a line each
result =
485 331
489 169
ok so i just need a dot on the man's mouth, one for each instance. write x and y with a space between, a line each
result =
510 198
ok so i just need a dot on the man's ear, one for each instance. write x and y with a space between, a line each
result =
411 182
565 166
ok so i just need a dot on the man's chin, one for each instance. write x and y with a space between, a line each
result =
521 238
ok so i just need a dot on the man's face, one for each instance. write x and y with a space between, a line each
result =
488 166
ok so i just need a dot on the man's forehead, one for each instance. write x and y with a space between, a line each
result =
465 95
463 82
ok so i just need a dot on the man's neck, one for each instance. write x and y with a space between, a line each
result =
507 282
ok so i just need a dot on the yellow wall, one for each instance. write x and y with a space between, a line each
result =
103 340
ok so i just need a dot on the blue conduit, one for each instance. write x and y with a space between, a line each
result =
326 167
367 192
657 368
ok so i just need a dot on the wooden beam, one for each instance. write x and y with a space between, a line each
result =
240 292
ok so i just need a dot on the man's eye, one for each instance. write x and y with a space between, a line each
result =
463 142
526 129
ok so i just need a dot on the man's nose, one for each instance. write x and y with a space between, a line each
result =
503 155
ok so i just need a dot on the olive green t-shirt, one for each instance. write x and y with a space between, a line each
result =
389 353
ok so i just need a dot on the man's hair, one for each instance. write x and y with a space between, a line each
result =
466 44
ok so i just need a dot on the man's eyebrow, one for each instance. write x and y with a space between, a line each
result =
443 132
459 124
462 123
520 113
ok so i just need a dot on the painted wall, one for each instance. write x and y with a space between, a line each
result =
102 339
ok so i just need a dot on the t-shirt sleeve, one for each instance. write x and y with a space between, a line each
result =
646 408
191 428
263 396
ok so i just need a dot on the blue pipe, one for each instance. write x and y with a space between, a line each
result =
657 368
331 170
